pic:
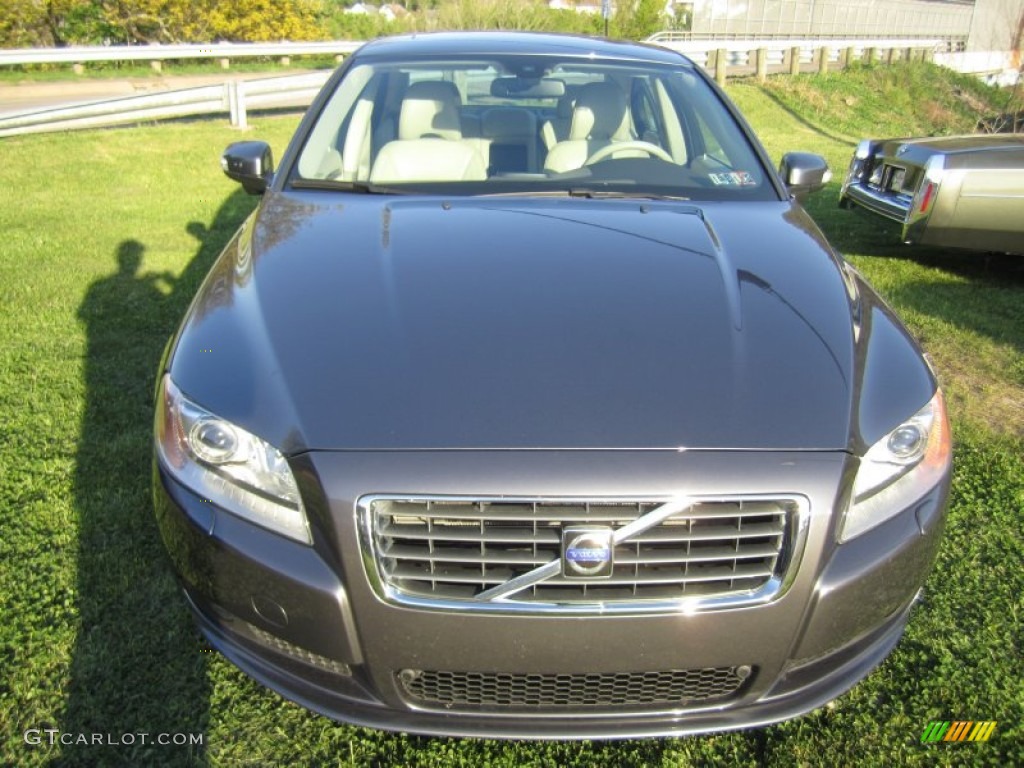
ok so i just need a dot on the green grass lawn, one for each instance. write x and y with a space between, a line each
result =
103 238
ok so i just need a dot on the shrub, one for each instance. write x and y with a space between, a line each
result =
61 22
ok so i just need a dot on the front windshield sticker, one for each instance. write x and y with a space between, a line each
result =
733 179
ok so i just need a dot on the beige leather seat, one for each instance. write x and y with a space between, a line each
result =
557 128
599 118
430 146
355 156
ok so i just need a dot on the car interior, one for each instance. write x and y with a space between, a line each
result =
479 123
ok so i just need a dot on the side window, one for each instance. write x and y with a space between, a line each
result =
723 153
321 156
712 148
677 138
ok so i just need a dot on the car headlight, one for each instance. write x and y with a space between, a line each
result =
899 469
227 465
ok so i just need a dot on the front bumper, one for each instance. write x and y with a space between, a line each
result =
306 622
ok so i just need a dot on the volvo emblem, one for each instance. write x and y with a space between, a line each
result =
587 552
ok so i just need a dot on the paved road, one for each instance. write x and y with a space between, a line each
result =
23 97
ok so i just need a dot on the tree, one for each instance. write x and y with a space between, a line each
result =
158 21
265 20
203 21
28 23
638 19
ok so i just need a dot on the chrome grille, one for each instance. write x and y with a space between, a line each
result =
534 692
461 551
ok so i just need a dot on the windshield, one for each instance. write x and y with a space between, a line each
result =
530 124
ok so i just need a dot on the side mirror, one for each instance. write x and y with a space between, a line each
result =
251 163
804 173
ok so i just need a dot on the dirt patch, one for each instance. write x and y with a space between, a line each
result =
971 101
980 396
939 114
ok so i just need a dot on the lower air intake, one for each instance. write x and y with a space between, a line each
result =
537 692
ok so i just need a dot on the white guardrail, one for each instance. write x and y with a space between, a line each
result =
740 53
235 97
158 52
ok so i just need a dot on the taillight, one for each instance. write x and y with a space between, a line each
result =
929 188
927 194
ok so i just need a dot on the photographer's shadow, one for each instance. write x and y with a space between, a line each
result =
138 665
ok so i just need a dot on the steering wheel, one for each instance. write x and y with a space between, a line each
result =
643 146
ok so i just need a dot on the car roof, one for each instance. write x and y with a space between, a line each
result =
503 43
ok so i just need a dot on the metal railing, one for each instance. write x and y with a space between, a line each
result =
236 97
761 56
158 52
943 42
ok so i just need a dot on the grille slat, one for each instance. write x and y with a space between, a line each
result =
411 572
553 692
497 512
488 535
453 550
712 533
694 574
700 554
465 555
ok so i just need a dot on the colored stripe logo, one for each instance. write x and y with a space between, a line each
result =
958 730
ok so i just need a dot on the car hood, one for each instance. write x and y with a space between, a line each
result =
365 322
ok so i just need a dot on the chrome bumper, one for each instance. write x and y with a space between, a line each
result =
891 206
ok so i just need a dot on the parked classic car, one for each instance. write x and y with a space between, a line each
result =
954 191
486 423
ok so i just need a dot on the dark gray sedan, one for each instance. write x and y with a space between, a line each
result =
529 403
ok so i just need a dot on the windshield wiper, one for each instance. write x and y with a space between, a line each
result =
592 194
369 188
610 194
360 187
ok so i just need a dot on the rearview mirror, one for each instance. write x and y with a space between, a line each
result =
803 173
251 163
524 88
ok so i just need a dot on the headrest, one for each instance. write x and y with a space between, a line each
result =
430 108
599 112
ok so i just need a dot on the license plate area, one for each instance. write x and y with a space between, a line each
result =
894 178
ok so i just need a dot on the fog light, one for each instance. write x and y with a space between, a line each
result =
300 654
